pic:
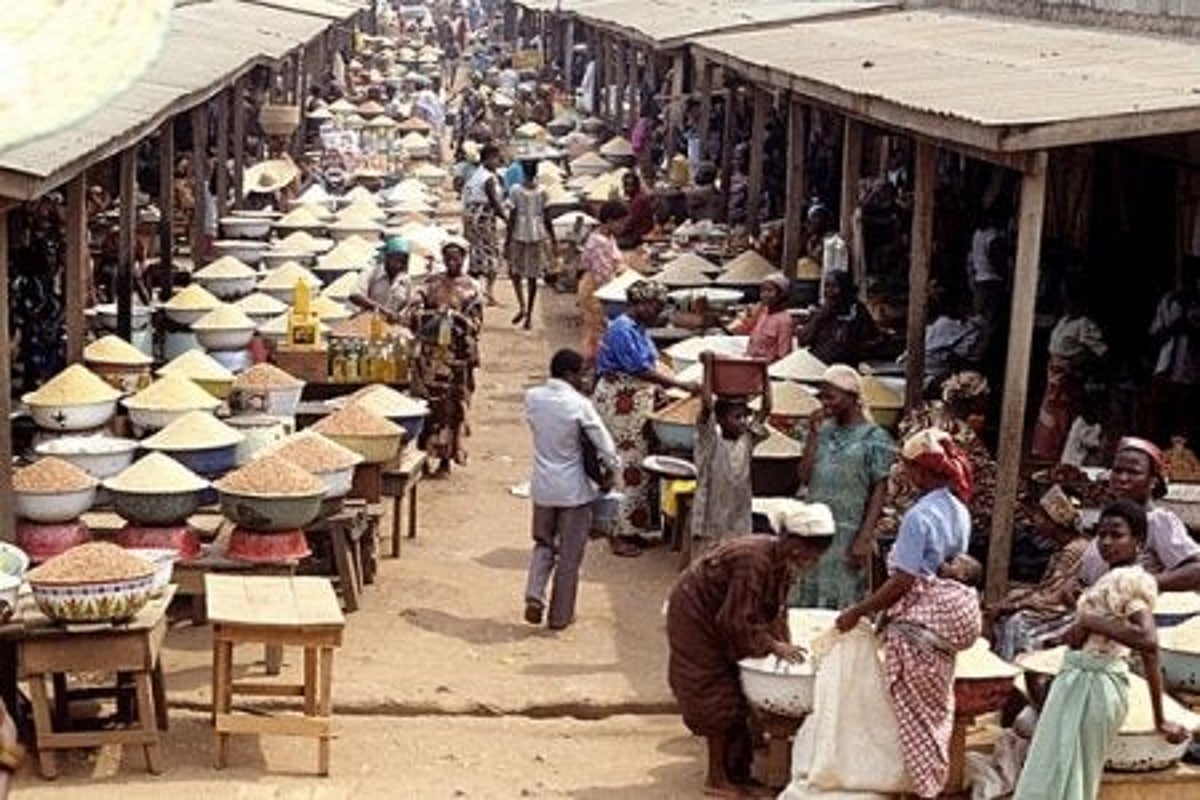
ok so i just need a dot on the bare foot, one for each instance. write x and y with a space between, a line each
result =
724 790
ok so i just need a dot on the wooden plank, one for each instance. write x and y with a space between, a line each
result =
199 182
250 688
267 601
758 137
166 205
77 272
727 147
924 184
705 72
273 726
797 187
1016 376
222 153
633 80
852 149
128 241
7 521
239 138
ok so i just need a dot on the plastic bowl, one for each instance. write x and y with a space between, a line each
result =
13 560
245 227
229 288
53 506
224 338
97 601
207 462
276 258
46 540
106 317
99 456
81 417
154 419
154 508
267 514
674 436
185 316
373 449
1180 668
248 251
338 482
778 687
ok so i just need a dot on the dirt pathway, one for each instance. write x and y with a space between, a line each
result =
441 690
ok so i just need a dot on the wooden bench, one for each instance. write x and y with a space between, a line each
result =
131 650
399 481
284 611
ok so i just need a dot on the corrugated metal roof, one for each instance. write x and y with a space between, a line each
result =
997 83
668 23
330 9
208 45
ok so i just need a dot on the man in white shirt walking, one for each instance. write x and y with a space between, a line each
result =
560 415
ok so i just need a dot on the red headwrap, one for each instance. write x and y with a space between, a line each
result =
936 451
1157 462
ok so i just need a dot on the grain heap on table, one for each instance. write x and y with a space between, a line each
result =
271 476
49 475
93 562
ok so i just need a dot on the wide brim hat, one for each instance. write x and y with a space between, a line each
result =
267 177
63 61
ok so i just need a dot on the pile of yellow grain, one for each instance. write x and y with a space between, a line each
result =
156 473
74 386
112 349
172 393
195 430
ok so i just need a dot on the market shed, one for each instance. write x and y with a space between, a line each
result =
1003 90
210 47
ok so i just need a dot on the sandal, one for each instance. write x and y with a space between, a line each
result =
625 548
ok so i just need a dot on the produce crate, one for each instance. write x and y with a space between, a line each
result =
310 364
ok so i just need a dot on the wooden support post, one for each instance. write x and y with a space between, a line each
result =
222 153
596 48
677 105
239 137
77 271
758 138
166 206
706 82
633 80
7 520
300 78
617 93
128 242
1016 374
568 62
852 147
199 181
918 269
797 187
727 146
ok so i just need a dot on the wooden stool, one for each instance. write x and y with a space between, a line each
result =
284 611
399 481
131 649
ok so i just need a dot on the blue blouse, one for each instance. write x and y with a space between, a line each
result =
626 348
935 529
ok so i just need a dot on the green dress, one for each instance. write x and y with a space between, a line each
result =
848 462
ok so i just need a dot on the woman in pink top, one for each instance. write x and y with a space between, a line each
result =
770 326
601 261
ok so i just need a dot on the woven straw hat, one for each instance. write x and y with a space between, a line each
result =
110 43
270 176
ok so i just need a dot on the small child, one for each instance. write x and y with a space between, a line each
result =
1089 698
726 434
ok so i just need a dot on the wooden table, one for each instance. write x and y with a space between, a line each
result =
131 649
349 536
282 611
399 481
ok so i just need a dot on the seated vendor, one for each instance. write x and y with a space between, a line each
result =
1139 474
384 287
842 330
1030 616
703 199
729 605
769 326
640 219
